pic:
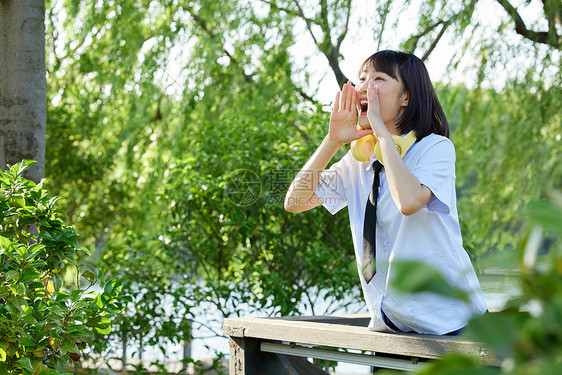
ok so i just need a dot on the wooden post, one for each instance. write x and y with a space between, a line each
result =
244 356
124 353
186 354
141 349
186 345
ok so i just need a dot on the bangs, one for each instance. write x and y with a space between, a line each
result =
383 61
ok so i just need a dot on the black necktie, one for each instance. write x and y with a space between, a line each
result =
369 228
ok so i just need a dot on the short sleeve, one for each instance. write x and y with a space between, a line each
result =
436 170
331 186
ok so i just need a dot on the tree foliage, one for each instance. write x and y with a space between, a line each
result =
503 169
148 166
174 128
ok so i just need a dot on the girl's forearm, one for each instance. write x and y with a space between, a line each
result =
407 192
300 196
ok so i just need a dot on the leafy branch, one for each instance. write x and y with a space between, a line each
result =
551 9
330 49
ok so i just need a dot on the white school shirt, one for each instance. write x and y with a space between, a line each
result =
432 235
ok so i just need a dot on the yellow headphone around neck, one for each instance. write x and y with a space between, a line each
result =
363 148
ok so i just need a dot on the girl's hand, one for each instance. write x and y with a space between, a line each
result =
373 111
343 128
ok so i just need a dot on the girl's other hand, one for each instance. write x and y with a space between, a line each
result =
373 111
343 121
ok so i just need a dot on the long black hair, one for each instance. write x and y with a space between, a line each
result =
423 114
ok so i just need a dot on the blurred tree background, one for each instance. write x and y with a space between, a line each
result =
174 128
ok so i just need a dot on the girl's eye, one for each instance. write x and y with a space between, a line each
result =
361 79
378 79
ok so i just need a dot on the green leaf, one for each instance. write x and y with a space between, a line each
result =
58 281
24 165
547 215
18 201
49 372
4 243
76 294
454 363
12 275
99 301
99 274
47 236
27 341
29 274
21 249
2 355
34 250
85 250
112 288
412 276
70 346
102 320
37 263
498 330
104 331
26 364
89 275
62 296
29 319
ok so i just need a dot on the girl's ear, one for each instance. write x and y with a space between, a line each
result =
405 98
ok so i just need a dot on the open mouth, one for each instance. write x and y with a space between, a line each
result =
364 106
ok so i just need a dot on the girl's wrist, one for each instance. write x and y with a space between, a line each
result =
385 138
382 133
330 142
379 128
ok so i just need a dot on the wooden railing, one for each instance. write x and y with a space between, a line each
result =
282 345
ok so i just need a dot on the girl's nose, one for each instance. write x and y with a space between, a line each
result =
361 87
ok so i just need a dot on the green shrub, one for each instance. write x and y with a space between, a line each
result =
43 325
527 333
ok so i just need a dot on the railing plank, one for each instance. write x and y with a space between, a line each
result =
350 332
330 355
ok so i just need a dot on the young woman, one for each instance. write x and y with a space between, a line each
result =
412 213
